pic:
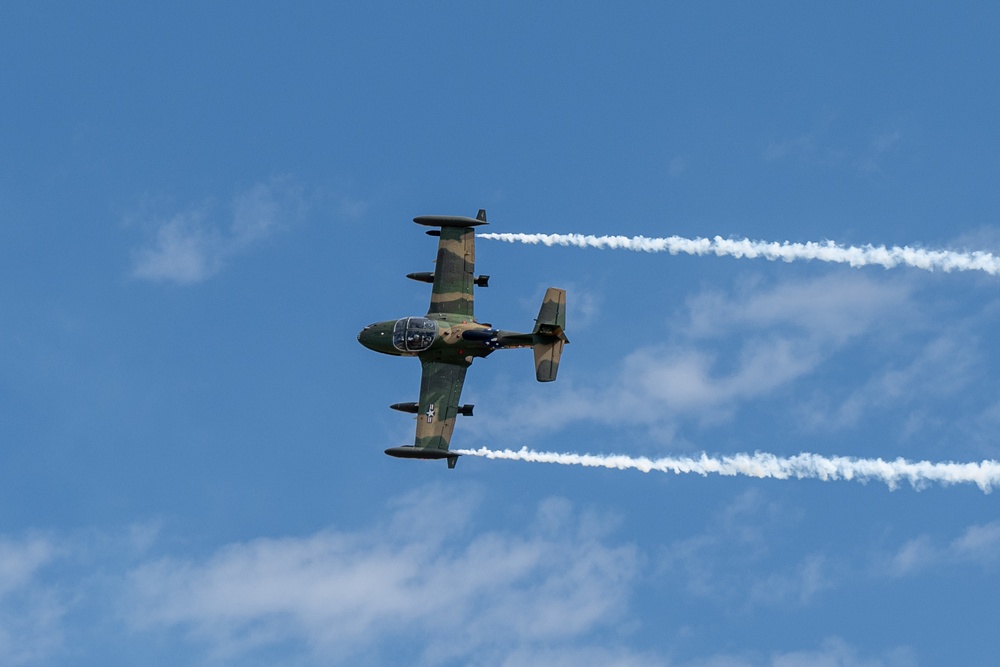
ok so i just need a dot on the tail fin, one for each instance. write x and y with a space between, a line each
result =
548 335
552 314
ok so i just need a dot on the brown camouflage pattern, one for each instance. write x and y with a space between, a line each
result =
453 269
445 361
552 314
549 334
440 392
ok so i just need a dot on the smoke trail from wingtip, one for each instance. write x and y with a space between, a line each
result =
984 474
826 251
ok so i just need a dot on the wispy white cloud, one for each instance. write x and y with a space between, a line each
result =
977 545
343 595
784 333
417 588
30 610
21 559
942 366
833 652
728 562
878 148
801 147
826 146
836 652
830 309
425 581
57 588
586 304
194 244
587 656
799 584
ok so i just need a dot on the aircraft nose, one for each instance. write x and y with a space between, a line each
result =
363 335
368 336
378 337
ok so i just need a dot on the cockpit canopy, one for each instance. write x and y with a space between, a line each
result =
413 334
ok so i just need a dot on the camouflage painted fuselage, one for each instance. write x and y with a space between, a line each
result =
454 339
448 338
445 353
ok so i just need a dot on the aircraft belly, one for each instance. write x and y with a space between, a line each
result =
459 354
451 348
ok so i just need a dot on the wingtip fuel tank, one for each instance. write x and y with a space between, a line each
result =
451 220
413 452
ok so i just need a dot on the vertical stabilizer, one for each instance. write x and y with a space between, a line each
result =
552 314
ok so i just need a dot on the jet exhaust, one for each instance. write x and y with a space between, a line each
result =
825 251
919 474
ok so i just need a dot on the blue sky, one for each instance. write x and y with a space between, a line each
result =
201 205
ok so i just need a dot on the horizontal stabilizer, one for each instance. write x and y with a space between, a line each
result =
549 336
547 357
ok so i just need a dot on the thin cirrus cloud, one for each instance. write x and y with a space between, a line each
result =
978 545
825 145
341 596
451 591
30 613
558 592
195 244
786 332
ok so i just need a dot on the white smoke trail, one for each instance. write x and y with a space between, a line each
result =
919 474
826 251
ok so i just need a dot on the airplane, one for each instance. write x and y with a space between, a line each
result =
448 338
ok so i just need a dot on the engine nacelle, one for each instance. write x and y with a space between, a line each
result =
466 410
481 335
482 281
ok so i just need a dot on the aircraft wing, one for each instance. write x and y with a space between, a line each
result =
456 260
440 390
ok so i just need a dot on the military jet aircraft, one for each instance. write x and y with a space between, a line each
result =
449 337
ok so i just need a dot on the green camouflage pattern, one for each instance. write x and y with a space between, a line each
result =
456 338
549 336
453 269
547 360
552 314
440 391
